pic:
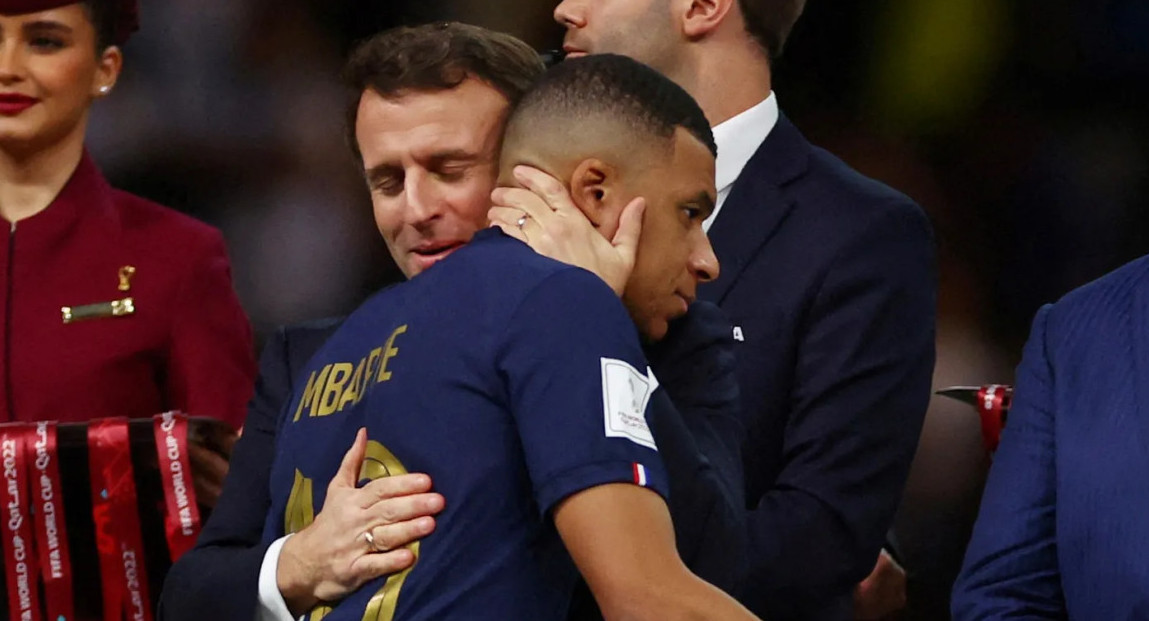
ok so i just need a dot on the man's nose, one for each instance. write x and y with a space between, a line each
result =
568 15
703 263
424 202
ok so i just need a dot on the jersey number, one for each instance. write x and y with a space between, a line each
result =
300 512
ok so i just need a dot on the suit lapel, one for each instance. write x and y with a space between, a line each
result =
756 205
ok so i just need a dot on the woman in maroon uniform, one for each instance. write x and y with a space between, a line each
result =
110 305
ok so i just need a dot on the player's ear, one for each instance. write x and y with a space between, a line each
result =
699 18
593 190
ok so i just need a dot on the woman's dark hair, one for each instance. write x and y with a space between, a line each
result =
104 15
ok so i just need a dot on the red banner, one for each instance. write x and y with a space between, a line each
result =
181 515
118 538
19 550
51 529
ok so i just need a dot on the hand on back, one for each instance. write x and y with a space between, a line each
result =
334 556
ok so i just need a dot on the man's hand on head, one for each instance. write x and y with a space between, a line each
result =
542 215
332 556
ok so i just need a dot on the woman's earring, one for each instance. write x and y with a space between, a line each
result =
105 89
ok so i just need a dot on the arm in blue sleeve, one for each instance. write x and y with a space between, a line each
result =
1010 569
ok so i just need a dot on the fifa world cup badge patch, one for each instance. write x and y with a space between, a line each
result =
625 393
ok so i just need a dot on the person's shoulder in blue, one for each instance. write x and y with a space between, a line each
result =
1061 531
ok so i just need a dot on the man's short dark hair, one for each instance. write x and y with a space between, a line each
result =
770 22
616 87
437 57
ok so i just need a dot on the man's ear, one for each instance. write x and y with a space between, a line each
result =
700 18
592 190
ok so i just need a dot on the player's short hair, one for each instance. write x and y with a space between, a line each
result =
437 57
613 87
770 22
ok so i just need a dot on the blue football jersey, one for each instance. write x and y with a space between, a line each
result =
514 381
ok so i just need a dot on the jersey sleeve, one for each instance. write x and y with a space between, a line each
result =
579 389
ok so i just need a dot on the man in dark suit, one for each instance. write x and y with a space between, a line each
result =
829 279
1062 532
698 435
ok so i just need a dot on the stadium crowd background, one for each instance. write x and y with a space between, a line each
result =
1022 128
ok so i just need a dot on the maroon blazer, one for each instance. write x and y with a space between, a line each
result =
185 345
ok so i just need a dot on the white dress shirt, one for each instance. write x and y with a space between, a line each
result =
738 138
272 606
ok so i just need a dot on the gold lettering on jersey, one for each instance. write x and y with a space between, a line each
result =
336 381
351 395
312 392
300 513
389 351
372 360
380 463
343 384
364 381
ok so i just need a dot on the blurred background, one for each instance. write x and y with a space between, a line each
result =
1021 127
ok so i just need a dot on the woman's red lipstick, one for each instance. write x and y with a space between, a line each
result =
12 104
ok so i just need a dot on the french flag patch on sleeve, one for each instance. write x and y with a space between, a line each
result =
640 474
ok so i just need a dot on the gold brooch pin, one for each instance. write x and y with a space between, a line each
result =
126 273
114 308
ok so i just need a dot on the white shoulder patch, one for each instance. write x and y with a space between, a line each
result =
625 393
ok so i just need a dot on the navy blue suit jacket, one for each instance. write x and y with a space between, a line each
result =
700 447
831 278
1063 530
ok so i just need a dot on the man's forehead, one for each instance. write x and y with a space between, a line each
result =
426 124
469 93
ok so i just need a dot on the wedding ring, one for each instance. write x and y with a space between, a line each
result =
370 539
522 220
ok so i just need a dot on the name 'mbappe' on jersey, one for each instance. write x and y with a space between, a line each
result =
336 385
